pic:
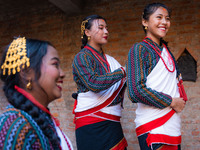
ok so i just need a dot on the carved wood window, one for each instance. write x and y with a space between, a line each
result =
187 66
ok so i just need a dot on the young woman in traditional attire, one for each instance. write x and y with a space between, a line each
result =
154 83
30 70
100 82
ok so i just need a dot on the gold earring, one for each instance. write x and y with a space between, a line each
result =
29 85
88 38
145 27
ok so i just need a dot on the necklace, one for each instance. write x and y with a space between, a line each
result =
157 50
99 58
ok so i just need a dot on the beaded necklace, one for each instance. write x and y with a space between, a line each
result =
157 50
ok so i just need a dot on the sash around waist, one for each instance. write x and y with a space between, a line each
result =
146 114
90 102
160 80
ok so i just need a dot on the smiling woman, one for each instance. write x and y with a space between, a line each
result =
51 77
157 24
153 81
31 74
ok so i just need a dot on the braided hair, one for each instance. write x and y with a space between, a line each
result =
88 26
36 50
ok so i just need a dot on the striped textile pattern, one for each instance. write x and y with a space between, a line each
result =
141 61
90 75
19 131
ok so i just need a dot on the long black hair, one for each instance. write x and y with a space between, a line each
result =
36 50
88 25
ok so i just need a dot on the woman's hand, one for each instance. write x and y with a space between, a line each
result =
178 104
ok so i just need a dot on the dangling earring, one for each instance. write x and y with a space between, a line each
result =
145 27
88 38
29 85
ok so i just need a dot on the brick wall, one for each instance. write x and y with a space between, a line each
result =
44 21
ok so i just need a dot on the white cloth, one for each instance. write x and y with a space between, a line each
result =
161 80
90 99
63 142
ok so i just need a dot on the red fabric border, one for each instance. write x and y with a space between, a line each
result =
154 124
106 103
86 121
94 119
121 145
161 138
108 116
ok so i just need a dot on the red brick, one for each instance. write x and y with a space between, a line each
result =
44 21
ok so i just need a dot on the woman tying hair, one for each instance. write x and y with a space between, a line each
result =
100 82
30 70
154 83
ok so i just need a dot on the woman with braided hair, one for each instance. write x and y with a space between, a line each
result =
100 82
30 70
